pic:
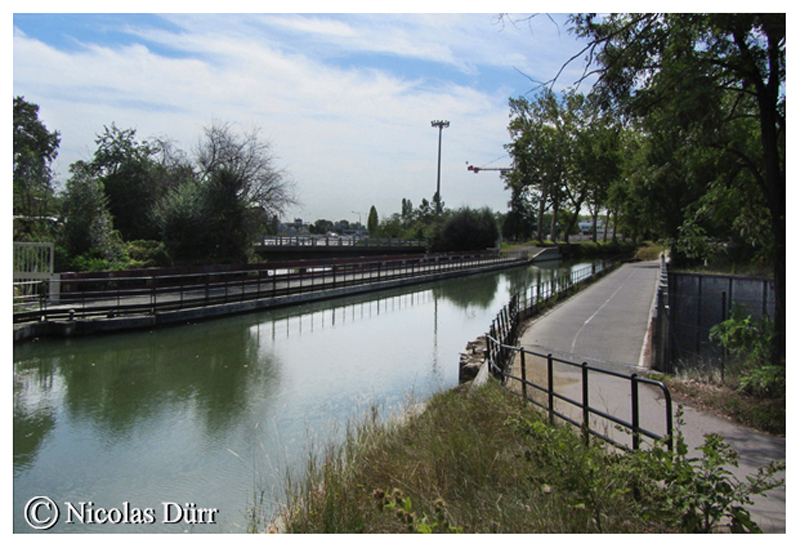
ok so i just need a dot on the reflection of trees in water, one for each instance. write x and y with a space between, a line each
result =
469 291
33 420
119 381
480 291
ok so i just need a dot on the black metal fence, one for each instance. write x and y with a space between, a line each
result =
529 302
537 382
692 304
114 294
611 426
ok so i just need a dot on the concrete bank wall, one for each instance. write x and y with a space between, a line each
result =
77 327
547 254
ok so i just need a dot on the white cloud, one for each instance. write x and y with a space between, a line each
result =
351 136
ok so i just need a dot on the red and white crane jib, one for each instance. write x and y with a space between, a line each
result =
502 170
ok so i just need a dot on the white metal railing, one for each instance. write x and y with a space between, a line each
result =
33 261
33 273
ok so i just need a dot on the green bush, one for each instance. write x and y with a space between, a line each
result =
146 253
466 230
749 342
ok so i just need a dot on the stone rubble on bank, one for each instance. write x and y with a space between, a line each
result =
471 359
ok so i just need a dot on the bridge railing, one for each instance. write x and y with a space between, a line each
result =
579 411
299 241
502 352
113 294
529 302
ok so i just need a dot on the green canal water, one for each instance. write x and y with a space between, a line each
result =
139 431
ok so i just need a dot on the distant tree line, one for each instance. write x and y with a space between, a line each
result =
464 229
146 202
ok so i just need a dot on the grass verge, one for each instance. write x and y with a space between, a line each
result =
484 462
726 399
650 251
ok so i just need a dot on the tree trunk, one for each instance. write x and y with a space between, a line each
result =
540 218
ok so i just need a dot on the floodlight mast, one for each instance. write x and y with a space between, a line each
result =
440 124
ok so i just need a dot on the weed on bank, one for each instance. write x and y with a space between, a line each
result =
482 461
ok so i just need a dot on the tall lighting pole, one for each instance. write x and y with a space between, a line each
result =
359 222
440 124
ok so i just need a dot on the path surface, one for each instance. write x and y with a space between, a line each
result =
606 326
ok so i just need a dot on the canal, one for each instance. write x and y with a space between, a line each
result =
134 432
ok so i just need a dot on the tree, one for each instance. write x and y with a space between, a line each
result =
252 161
548 134
182 218
35 148
321 226
219 204
88 228
425 212
520 219
372 220
406 210
235 190
466 229
230 222
713 76
127 170
537 153
595 158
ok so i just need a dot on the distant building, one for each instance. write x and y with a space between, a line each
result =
586 227
296 228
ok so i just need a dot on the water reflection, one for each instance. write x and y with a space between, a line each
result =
207 412
116 383
34 409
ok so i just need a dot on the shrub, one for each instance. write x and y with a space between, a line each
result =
466 230
749 342
146 253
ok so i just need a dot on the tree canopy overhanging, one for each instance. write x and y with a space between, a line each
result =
697 156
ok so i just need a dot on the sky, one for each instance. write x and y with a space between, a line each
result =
345 100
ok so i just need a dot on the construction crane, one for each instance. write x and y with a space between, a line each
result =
502 170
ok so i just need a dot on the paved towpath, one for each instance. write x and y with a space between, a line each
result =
606 325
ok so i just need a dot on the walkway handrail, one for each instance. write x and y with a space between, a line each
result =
501 349
331 241
110 294
637 431
527 303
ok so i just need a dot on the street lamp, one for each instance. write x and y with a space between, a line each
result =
359 222
440 124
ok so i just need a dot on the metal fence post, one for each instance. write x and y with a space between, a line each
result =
585 405
522 367
724 352
635 411
153 297
550 401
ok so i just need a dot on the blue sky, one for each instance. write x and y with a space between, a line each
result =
346 100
